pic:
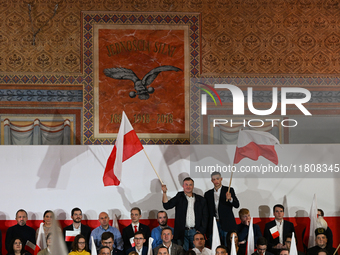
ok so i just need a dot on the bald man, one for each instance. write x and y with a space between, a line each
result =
104 220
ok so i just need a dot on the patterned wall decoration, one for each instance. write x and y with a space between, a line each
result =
246 43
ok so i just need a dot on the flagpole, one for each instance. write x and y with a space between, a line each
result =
231 177
153 167
336 249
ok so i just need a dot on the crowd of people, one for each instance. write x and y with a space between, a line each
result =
192 232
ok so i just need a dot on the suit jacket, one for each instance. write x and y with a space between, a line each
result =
266 253
225 209
180 203
128 232
288 228
175 249
242 232
84 230
315 249
144 251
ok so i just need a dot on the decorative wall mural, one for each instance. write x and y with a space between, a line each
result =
142 64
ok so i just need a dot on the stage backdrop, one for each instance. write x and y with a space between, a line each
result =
59 178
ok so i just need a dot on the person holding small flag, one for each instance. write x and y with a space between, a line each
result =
275 231
76 228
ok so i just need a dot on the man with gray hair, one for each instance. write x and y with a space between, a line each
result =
220 204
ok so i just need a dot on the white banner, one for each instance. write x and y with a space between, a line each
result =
59 178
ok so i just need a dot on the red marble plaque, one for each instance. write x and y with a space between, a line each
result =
140 49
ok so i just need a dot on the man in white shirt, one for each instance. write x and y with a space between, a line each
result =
191 213
276 231
220 203
199 243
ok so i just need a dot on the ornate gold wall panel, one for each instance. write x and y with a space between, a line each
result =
238 37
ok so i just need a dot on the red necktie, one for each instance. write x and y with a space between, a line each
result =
136 228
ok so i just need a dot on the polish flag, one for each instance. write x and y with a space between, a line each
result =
252 144
275 232
233 247
132 242
30 247
309 236
70 235
293 248
150 246
250 240
41 241
127 144
115 222
93 247
215 242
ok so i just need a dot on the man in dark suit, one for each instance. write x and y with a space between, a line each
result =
191 213
261 246
135 226
77 226
276 231
139 239
173 249
220 204
243 229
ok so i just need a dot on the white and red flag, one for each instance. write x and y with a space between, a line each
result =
252 144
70 235
127 144
309 236
274 231
41 240
30 247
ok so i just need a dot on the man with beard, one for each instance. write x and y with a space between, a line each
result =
20 230
76 228
162 218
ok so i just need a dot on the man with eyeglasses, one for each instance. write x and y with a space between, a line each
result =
104 220
173 249
139 240
108 240
199 243
261 246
